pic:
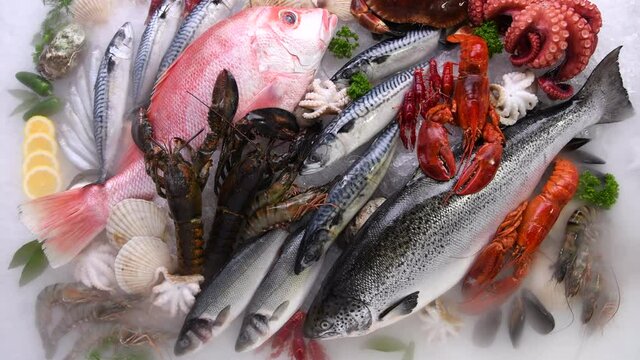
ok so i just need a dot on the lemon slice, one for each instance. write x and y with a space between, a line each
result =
40 158
39 124
39 141
41 181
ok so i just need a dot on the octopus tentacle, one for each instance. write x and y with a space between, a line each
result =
493 8
581 44
553 89
476 11
587 10
527 50
546 21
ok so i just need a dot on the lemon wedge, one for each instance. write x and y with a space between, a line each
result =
39 125
40 158
41 181
39 141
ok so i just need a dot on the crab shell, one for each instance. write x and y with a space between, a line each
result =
436 13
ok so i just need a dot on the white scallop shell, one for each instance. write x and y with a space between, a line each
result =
91 11
176 294
134 217
138 261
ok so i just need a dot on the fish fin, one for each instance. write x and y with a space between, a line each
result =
403 307
606 82
576 143
277 313
84 178
587 158
67 222
267 97
381 59
222 317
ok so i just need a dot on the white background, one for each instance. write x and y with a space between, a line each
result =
617 143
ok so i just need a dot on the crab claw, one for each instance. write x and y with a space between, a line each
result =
434 153
366 18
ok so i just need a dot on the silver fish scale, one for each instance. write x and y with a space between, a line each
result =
101 106
357 182
410 241
372 100
144 52
384 48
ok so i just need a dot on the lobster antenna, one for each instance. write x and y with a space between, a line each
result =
186 143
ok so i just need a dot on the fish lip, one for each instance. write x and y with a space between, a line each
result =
329 25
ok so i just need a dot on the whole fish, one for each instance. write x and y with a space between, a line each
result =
341 8
224 298
156 38
205 14
110 94
358 123
347 197
417 246
279 296
390 56
273 62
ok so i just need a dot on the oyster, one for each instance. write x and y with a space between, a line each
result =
60 56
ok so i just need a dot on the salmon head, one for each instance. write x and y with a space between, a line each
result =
292 40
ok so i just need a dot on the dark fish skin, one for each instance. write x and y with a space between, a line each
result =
417 242
486 328
517 316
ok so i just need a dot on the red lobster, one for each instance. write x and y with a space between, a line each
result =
516 240
468 108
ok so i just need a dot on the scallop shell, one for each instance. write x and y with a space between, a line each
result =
138 263
134 217
91 11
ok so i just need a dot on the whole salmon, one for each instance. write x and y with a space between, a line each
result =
273 53
417 246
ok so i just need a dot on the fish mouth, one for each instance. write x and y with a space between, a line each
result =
329 24
255 329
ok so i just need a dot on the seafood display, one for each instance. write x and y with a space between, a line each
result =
250 170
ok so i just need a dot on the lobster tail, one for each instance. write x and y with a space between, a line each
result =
67 222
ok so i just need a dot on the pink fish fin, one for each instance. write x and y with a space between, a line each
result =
129 156
267 97
67 222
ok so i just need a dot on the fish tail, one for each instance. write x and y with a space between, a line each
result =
606 82
67 222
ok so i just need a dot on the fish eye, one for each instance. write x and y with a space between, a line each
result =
288 17
325 325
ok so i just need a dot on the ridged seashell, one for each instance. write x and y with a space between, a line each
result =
176 294
134 217
91 11
138 262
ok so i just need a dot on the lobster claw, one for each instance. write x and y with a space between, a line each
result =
434 152
484 269
480 171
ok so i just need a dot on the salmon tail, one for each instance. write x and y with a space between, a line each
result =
67 222
606 82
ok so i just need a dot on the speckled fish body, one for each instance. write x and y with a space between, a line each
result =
205 14
156 38
279 296
417 246
111 91
358 123
347 197
390 56
226 296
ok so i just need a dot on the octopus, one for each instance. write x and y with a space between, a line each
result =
176 294
544 34
372 14
324 98
514 97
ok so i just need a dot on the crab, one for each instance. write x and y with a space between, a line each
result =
373 14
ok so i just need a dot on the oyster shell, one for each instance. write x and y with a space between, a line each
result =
139 263
135 217
60 56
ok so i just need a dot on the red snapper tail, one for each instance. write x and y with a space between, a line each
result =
67 222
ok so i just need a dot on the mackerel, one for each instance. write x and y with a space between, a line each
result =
417 246
279 296
156 38
111 91
347 197
226 296
359 122
204 15
390 56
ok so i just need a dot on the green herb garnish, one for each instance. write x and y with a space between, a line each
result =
488 30
358 85
35 262
343 43
592 190
56 18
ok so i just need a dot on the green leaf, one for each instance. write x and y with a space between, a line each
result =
23 254
36 265
24 106
23 94
385 344
410 352
94 355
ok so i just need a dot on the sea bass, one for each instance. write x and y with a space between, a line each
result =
224 298
273 53
110 94
279 296
156 38
417 246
